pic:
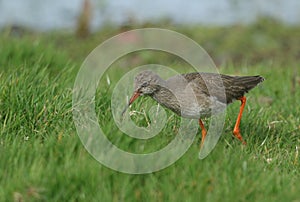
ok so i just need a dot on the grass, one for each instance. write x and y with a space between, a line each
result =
42 158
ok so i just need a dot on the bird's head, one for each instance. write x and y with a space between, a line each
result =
145 83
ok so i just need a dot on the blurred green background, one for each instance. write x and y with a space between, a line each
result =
42 158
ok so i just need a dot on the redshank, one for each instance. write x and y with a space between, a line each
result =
188 95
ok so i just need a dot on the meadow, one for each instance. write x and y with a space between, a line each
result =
43 159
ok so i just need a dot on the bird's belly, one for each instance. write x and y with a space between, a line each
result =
206 109
189 104
195 113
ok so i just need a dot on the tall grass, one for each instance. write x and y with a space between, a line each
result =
42 158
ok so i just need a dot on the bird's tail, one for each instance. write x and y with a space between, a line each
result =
248 82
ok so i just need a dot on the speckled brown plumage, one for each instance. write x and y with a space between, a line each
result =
235 86
196 95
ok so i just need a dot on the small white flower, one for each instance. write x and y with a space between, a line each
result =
269 160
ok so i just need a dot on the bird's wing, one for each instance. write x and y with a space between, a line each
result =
209 84
223 87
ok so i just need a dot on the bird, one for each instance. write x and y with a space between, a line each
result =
196 95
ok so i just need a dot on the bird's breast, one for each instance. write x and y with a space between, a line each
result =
188 104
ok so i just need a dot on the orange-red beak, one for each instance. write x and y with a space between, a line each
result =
135 95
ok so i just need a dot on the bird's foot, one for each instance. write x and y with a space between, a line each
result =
237 134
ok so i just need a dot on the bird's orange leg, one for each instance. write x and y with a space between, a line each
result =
203 132
236 130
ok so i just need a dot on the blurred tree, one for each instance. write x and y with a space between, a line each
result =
84 20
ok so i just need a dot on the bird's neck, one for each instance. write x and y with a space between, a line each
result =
166 98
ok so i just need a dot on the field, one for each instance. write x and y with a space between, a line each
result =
43 159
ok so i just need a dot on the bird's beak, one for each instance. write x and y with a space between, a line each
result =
135 95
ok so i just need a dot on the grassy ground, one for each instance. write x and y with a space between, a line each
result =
42 158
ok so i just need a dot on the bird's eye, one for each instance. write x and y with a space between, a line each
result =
145 84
